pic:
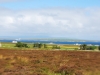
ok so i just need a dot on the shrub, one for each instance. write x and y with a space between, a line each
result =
37 45
91 47
99 47
19 44
83 47
55 47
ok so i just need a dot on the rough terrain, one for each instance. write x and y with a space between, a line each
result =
42 62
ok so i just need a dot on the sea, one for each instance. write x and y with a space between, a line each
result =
57 42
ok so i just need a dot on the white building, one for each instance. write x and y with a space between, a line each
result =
77 44
14 41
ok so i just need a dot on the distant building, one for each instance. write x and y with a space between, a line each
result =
14 41
51 43
77 44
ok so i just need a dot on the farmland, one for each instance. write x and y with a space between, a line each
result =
49 62
43 46
30 45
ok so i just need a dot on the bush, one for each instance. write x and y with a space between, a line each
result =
37 45
55 47
83 47
45 46
91 47
99 47
19 44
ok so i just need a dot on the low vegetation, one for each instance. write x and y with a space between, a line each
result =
19 44
42 46
48 59
85 47
43 62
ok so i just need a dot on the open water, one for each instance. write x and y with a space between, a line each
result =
54 42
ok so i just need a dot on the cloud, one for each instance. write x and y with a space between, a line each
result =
54 22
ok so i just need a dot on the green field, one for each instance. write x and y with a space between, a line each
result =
30 45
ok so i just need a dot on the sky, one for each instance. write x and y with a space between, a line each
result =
72 19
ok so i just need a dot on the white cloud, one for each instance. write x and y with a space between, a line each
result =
74 23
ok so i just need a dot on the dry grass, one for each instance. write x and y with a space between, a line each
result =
36 62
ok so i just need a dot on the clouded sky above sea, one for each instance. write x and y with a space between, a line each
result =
75 19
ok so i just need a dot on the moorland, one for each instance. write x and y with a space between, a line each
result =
27 59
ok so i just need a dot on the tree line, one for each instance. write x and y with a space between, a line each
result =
40 45
20 44
35 45
85 47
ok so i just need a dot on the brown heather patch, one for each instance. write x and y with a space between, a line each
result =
36 62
